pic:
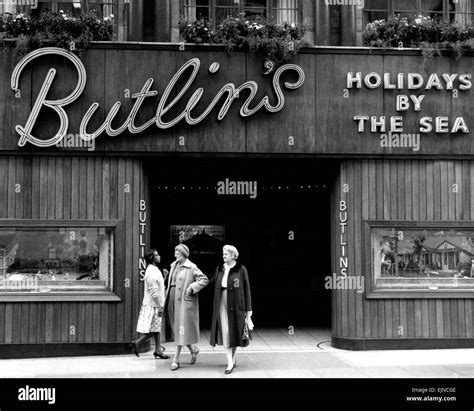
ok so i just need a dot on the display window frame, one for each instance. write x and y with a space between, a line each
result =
115 293
425 289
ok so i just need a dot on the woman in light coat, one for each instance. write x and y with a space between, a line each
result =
181 313
232 305
149 320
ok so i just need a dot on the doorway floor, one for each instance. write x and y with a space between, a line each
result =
274 339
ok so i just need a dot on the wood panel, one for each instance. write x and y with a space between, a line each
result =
432 326
82 188
137 285
2 323
65 323
81 323
461 318
358 250
401 190
331 81
8 323
403 330
129 224
13 110
125 75
104 322
95 91
59 189
350 239
38 329
374 207
88 332
96 322
212 135
72 321
16 320
468 318
367 213
24 330
462 106
64 188
271 132
125 291
50 326
11 184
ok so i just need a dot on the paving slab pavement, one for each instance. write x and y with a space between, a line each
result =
273 353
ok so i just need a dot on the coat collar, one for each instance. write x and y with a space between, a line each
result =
187 263
235 268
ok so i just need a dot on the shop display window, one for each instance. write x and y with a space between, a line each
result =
409 257
51 259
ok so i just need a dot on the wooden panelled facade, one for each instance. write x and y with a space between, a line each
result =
74 188
384 184
394 190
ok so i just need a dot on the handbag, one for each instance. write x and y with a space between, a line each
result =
246 334
246 337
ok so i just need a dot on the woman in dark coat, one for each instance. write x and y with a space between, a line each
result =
232 303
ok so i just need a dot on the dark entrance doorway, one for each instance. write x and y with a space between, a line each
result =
281 228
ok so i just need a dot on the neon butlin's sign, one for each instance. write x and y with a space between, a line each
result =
164 106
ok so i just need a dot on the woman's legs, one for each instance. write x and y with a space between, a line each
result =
234 349
177 353
156 337
143 338
194 352
135 344
229 355
175 363
158 349
224 328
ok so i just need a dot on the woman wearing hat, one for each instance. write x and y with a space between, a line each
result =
232 304
181 313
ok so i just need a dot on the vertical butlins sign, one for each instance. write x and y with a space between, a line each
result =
142 222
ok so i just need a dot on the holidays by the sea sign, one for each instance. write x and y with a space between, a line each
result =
186 74
391 129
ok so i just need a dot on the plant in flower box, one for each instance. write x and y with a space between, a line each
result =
432 35
198 31
56 29
277 42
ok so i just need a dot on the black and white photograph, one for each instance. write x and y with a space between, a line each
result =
268 199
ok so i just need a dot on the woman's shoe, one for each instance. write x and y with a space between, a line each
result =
227 371
194 355
161 355
133 345
174 366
